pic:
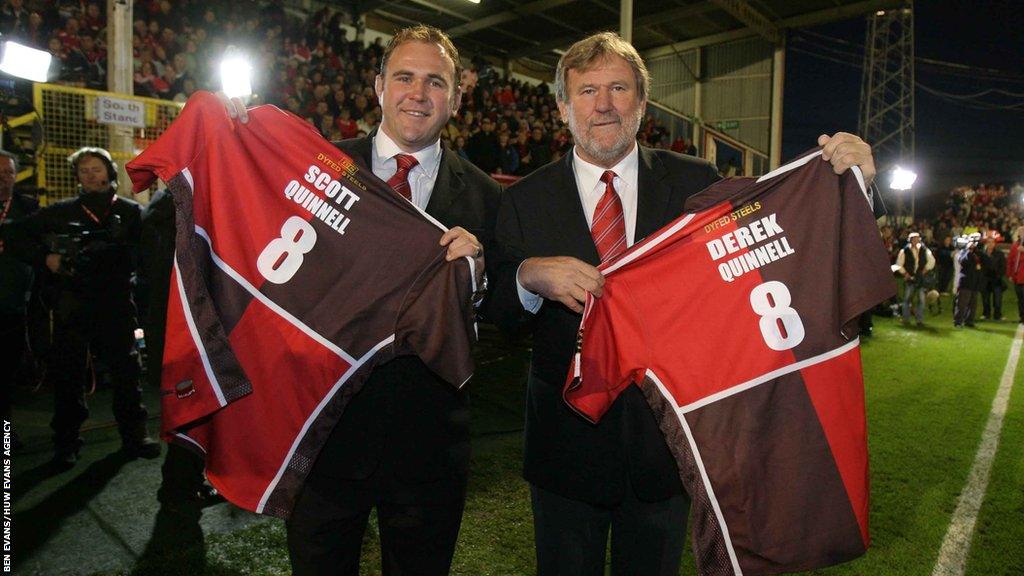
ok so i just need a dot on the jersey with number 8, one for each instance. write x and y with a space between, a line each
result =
737 323
281 259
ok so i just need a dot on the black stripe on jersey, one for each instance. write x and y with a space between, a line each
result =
195 268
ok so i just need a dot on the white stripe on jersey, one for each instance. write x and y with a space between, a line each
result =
224 266
315 414
703 475
823 357
194 332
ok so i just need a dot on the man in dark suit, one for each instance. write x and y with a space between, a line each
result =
402 444
554 227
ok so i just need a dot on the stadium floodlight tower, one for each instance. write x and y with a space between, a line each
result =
887 91
24 62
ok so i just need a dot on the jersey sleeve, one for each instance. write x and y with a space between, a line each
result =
437 321
179 144
865 278
611 352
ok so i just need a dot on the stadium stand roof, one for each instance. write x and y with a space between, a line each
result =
534 31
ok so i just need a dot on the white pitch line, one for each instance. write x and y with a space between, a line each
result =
953 555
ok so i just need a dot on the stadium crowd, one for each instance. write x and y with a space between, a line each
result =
966 257
308 65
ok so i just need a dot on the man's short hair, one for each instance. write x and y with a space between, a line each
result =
592 49
14 159
94 152
428 35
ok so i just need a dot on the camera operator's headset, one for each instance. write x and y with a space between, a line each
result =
94 152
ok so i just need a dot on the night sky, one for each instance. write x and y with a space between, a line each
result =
956 144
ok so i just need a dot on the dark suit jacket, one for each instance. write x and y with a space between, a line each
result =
406 421
541 215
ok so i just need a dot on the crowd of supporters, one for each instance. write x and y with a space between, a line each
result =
308 65
995 210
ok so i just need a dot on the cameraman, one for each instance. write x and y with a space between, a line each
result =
969 282
88 246
914 261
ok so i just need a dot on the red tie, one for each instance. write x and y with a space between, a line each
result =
400 181
609 225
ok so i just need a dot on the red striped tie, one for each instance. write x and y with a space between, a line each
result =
400 181
609 225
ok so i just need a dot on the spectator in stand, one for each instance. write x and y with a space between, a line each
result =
460 147
994 266
483 147
146 80
346 124
94 21
14 18
540 148
87 64
914 261
59 53
509 162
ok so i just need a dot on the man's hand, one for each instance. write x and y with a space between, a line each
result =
462 243
844 150
235 107
562 278
53 262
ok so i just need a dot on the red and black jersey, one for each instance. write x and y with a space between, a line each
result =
295 273
738 322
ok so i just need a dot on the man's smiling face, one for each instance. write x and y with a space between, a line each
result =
417 94
603 110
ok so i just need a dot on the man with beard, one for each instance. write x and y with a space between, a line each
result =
88 244
554 227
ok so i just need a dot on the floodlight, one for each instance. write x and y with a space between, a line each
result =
25 62
235 73
902 179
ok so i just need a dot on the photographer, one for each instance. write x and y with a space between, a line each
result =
968 281
88 246
914 261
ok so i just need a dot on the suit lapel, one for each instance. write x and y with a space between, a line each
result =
360 151
449 185
565 203
653 195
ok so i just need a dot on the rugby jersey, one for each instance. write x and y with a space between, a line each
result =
295 273
738 323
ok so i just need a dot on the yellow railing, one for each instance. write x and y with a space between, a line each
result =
69 121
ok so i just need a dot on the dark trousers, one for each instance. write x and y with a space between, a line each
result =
181 475
12 351
965 305
107 334
1019 289
418 525
572 537
992 300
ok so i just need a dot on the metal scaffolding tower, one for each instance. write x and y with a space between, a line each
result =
887 94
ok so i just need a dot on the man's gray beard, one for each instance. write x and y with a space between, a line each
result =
621 145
